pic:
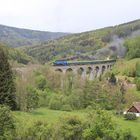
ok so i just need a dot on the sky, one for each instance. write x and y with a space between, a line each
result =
67 15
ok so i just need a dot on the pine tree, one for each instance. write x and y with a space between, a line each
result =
7 86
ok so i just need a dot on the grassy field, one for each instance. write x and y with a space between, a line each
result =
134 126
51 116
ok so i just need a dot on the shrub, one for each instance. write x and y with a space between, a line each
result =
137 81
32 99
66 108
39 131
130 116
7 127
138 69
131 72
40 82
55 104
69 128
128 136
89 107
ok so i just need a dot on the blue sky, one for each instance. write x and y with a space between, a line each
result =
67 15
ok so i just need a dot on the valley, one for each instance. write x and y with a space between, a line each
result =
52 105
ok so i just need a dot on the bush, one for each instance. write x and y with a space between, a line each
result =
133 47
128 136
137 81
55 104
32 99
40 82
138 69
66 108
69 128
131 72
89 107
7 127
130 116
39 131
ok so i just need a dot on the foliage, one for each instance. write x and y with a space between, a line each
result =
66 107
138 69
39 131
101 126
112 79
32 98
40 82
137 81
15 37
7 126
130 116
69 128
86 43
125 67
133 46
26 120
17 56
55 103
7 85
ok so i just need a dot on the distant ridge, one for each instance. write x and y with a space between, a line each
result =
104 43
16 37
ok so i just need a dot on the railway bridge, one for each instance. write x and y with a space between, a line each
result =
88 69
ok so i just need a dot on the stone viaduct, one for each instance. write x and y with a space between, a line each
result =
87 70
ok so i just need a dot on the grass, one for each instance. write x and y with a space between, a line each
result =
133 126
52 116
122 66
46 114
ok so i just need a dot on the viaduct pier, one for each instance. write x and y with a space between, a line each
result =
86 69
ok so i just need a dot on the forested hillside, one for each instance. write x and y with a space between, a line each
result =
17 57
97 44
15 37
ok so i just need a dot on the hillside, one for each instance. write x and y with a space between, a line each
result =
15 37
97 44
17 57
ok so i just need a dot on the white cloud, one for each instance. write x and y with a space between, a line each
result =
67 15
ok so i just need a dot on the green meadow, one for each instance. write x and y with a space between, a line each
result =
24 120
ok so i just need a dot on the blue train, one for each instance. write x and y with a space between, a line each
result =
67 63
60 63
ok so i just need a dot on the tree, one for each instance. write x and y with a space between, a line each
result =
39 131
112 79
40 82
7 127
69 128
138 69
133 47
102 127
7 85
32 98
137 81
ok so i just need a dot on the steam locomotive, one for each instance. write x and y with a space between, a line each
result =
67 63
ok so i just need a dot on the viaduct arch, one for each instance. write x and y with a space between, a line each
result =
89 71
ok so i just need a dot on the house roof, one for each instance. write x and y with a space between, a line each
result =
137 106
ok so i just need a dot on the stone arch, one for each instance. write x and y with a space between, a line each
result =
80 71
103 69
89 70
90 73
59 70
108 66
69 70
97 69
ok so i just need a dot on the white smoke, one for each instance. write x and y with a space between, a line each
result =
114 49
